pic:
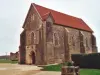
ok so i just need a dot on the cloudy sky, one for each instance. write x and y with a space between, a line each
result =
13 13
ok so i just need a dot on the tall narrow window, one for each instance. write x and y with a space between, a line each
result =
33 38
82 47
32 17
29 39
55 39
87 43
48 27
73 41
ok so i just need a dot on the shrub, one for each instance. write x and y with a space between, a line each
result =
87 60
69 64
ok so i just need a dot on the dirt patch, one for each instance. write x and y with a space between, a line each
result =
30 72
15 69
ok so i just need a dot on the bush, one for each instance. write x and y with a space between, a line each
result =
69 64
87 60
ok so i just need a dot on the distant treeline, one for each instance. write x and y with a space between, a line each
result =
5 57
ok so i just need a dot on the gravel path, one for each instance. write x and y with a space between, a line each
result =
48 73
16 69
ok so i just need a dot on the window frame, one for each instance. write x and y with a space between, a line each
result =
32 17
57 36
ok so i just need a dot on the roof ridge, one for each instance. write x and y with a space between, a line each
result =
57 11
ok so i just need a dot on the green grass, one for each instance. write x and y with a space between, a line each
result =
7 61
90 72
82 71
52 68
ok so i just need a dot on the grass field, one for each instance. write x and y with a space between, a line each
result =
7 61
89 72
82 71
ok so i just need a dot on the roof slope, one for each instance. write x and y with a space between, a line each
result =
63 19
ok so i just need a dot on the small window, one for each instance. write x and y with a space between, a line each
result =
32 17
55 39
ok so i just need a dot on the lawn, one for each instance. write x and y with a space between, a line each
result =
82 71
90 72
7 61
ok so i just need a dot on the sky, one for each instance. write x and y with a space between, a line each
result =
13 13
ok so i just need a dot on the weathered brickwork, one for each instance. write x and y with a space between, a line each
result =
56 53
74 41
94 46
44 42
87 42
32 29
22 51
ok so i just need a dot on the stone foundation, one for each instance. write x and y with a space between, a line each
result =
70 70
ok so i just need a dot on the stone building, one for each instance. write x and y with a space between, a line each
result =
51 37
14 56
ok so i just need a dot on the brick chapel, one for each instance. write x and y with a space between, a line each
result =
51 37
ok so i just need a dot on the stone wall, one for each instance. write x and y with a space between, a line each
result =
32 28
77 41
56 53
22 51
33 25
73 40
87 41
14 56
94 46
58 47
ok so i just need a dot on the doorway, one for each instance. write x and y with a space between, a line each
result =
33 57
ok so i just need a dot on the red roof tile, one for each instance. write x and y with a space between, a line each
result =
63 19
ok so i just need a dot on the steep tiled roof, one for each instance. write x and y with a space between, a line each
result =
63 19
44 17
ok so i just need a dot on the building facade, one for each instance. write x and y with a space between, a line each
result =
51 37
14 56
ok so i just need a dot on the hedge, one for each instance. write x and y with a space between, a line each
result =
87 60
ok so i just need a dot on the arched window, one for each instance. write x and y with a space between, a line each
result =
33 38
82 47
73 41
48 27
55 39
29 38
87 43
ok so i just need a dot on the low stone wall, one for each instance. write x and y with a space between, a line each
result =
70 70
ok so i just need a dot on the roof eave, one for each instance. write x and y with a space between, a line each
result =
75 28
